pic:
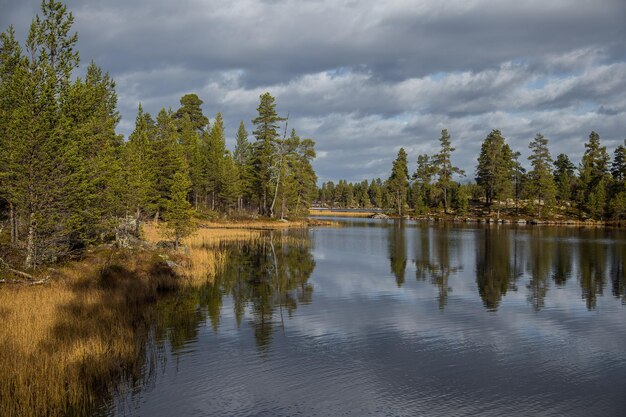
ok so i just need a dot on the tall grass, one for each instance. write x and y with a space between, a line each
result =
62 344
66 345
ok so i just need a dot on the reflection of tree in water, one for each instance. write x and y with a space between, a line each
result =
562 269
268 276
618 271
397 251
434 259
592 268
539 266
494 267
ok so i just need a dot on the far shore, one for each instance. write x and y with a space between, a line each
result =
470 218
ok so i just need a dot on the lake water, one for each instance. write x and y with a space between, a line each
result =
397 318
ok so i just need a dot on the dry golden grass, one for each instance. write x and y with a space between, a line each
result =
332 213
205 254
63 343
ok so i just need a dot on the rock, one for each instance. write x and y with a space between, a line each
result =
379 216
521 221
283 221
172 264
166 244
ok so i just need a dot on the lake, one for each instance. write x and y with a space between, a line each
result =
396 318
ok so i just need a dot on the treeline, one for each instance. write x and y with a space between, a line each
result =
68 180
595 189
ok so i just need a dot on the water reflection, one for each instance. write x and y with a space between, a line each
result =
437 256
495 314
269 276
397 251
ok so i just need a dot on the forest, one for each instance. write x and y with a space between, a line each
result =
596 189
69 181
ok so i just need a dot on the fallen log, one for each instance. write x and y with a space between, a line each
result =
15 271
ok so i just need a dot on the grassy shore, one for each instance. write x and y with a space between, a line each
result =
337 213
66 343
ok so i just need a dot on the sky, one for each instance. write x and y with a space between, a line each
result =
365 78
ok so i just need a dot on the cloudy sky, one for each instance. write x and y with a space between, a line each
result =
364 78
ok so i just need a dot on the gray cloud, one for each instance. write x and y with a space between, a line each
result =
365 78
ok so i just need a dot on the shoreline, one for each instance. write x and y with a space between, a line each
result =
449 218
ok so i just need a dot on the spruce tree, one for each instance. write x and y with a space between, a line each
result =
178 214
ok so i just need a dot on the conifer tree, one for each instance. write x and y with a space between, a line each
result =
398 182
617 202
423 183
541 181
178 214
444 168
215 153
167 157
495 166
265 149
190 106
243 160
593 172
12 73
140 173
564 177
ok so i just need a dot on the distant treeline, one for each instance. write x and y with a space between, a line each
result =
67 180
595 189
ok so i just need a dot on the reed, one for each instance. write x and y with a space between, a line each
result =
62 345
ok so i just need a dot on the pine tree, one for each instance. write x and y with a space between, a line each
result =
215 153
12 73
444 168
542 186
178 214
617 200
495 168
265 150
190 107
140 173
398 182
564 177
167 159
423 183
593 172
243 160
43 153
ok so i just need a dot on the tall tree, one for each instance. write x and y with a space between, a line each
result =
564 177
179 211
266 126
423 187
215 153
140 170
398 182
243 160
190 105
444 168
494 170
542 186
593 172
